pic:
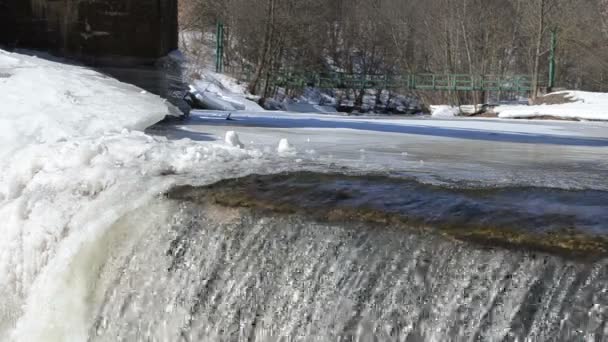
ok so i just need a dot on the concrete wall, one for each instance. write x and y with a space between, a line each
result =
91 29
127 39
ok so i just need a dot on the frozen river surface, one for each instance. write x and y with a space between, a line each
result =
570 155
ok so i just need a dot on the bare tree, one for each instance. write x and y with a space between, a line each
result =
476 37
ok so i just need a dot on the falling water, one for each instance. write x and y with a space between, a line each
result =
203 271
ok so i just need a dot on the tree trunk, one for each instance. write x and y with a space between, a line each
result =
539 42
262 59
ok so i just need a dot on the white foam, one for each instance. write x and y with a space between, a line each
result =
73 163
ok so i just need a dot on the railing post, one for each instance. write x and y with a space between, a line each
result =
219 51
552 61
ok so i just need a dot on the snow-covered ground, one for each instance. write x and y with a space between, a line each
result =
585 106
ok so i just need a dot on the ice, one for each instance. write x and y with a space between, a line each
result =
481 151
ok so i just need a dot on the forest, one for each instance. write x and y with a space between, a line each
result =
501 37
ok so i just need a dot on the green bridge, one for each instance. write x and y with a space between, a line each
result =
430 82
415 81
437 82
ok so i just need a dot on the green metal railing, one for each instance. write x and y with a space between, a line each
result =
423 81
433 82
219 43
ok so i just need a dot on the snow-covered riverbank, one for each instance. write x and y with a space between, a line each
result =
567 105
580 105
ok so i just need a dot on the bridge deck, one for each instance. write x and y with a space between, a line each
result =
433 82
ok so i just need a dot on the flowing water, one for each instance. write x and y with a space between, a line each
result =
305 256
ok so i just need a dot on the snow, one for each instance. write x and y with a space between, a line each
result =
73 162
212 101
444 111
285 148
470 109
221 92
232 139
44 101
7 61
586 106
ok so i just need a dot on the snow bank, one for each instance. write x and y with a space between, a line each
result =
211 101
444 111
43 101
586 106
222 92
72 165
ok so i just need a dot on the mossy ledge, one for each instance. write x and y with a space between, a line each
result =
254 193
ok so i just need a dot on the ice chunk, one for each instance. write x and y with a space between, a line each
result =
285 147
233 140
444 111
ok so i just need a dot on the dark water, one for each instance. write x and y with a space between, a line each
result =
288 256
538 216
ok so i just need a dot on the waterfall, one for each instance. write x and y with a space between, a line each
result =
214 273
190 265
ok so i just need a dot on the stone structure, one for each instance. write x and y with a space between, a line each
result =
128 39
91 28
